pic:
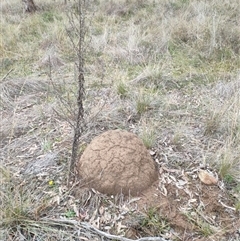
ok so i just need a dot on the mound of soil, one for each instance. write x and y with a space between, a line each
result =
117 162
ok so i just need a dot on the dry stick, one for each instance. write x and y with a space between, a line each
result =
115 237
78 130
6 75
97 231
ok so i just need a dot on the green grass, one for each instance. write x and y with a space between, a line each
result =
143 101
203 227
15 204
142 105
122 89
153 223
148 136
229 166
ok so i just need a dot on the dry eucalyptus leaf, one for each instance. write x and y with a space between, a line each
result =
207 178
101 210
152 153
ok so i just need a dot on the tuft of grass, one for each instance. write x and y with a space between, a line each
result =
204 228
148 136
70 214
143 102
226 117
212 124
153 223
15 206
122 89
48 16
47 145
236 190
228 165
224 172
237 206
21 209
178 139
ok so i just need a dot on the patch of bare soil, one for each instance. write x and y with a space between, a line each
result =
186 209
194 210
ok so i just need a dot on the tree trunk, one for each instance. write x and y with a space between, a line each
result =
30 6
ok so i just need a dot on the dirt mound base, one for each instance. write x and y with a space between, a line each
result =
117 162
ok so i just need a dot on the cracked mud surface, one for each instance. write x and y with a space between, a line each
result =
117 162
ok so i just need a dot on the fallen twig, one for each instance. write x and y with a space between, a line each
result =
6 75
89 227
116 237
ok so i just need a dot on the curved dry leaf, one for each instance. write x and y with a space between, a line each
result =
207 178
152 153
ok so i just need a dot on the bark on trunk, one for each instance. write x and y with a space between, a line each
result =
30 6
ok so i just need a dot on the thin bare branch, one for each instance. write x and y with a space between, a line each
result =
87 226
